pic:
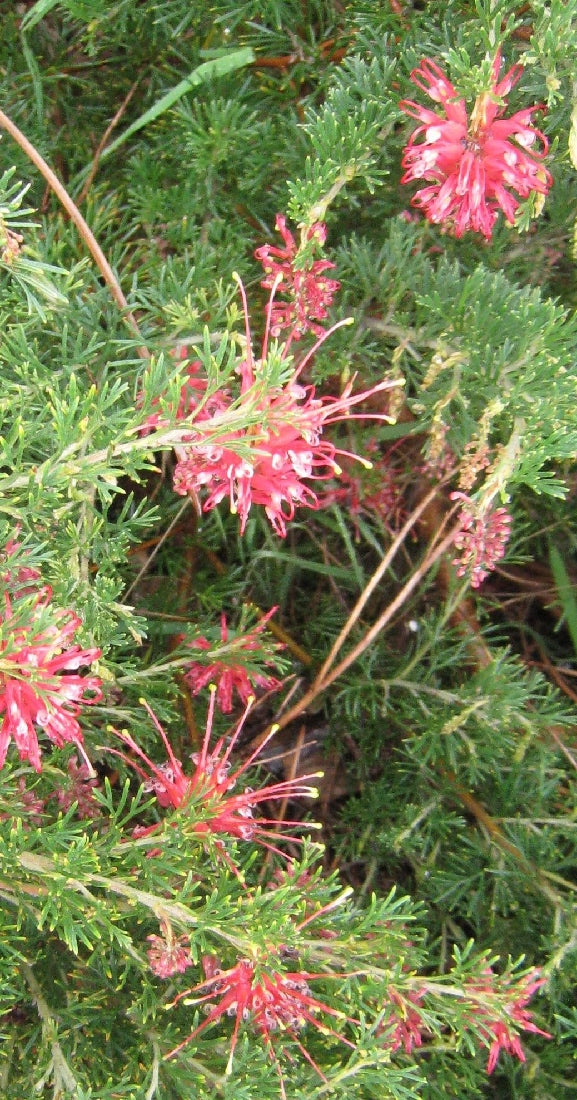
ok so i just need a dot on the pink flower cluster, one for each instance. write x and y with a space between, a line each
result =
475 166
499 1026
273 1000
279 445
270 999
229 671
402 1025
209 789
285 445
40 688
168 954
482 539
292 272
496 1009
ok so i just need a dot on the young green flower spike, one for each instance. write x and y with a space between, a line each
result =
475 166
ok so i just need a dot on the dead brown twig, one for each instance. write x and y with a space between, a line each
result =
103 141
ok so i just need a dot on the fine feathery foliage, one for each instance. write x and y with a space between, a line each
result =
288 550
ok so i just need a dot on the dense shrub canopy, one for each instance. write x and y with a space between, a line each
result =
287 549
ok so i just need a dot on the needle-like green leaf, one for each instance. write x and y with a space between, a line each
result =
218 66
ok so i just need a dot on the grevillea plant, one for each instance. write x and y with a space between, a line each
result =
287 623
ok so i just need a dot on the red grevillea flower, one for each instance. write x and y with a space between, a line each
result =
499 1025
268 462
209 789
168 954
482 539
229 671
403 1026
39 684
478 165
293 273
270 1000
80 788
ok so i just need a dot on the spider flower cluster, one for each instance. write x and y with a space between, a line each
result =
499 1008
495 1010
168 954
474 165
270 1000
292 272
227 667
263 446
210 787
40 686
481 538
402 1025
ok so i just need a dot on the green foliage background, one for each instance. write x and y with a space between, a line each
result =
457 773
